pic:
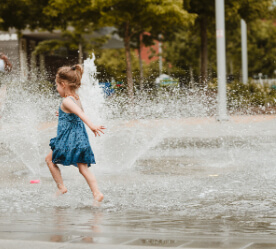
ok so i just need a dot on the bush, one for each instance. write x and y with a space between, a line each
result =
249 98
252 94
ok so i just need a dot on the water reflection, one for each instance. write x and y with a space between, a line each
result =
87 223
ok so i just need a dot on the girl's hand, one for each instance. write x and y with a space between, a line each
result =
97 129
57 114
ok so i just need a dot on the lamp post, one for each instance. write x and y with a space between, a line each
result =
244 52
221 60
160 54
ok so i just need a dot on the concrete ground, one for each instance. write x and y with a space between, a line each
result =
35 237
136 243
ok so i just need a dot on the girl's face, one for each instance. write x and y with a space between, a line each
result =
60 88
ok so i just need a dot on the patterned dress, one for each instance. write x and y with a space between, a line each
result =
71 145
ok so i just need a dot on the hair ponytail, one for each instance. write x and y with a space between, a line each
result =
72 75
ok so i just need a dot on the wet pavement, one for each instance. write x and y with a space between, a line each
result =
198 184
74 241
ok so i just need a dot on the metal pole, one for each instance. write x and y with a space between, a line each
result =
23 59
160 55
221 60
244 52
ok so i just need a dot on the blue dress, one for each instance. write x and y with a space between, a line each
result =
71 145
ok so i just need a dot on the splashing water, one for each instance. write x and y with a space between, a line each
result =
164 156
24 109
90 92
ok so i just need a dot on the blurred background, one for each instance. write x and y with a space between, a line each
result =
147 45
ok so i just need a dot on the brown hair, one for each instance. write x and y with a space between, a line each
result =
70 74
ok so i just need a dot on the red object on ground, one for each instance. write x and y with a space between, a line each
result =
34 181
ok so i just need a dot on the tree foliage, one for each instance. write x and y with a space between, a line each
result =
259 15
132 18
185 25
22 14
262 47
183 54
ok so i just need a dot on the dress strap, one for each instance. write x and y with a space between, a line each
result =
75 102
72 99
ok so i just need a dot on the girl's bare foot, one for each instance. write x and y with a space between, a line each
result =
61 190
98 197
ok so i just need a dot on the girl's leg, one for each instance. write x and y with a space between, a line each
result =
55 171
91 180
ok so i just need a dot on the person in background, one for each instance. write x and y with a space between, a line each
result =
5 64
5 67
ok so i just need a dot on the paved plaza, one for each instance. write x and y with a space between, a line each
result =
20 228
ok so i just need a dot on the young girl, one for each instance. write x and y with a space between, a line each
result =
71 145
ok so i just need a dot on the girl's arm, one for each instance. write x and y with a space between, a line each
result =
72 107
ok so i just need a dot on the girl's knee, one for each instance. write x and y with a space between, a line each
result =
82 168
82 171
48 158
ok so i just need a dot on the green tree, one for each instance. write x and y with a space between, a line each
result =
252 12
132 18
205 19
262 47
81 16
183 54
111 64
249 10
79 20
165 28
22 14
